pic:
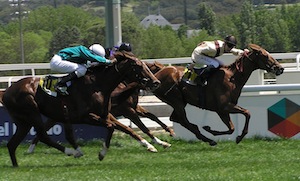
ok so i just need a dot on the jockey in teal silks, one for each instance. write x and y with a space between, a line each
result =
75 61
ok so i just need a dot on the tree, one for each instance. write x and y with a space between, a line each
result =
64 37
291 16
245 24
272 36
207 18
132 31
158 42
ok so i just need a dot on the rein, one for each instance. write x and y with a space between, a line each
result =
240 65
170 88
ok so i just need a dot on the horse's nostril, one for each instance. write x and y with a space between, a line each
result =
279 71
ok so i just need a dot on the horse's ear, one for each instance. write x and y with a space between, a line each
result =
254 47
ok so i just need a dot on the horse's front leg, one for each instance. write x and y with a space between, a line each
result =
247 115
129 131
234 109
96 120
71 139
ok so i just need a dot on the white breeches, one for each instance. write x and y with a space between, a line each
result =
202 59
63 66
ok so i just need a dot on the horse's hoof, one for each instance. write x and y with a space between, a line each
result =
172 134
206 128
166 145
212 143
238 139
152 149
77 154
100 157
69 151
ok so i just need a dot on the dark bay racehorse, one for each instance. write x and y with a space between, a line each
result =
124 103
219 95
88 102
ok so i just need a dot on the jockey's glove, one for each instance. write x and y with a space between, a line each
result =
112 61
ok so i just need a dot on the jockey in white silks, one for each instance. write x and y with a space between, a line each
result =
207 51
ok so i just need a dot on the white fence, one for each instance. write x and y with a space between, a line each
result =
227 58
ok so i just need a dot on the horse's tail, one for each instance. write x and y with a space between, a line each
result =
1 96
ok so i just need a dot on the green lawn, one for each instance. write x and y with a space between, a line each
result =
252 159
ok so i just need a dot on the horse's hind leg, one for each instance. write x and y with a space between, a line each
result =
144 113
38 125
179 116
13 143
48 124
226 120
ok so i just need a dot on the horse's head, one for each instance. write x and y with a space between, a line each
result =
264 60
135 70
155 66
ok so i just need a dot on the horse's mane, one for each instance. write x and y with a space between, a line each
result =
123 55
237 63
119 55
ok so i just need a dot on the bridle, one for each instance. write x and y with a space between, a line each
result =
141 79
240 66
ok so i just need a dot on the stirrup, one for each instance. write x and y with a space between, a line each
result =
61 90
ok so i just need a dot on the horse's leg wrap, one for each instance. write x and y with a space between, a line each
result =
160 142
150 147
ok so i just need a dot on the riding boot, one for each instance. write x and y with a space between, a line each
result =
202 77
61 86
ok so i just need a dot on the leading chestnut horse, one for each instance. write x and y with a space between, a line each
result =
88 102
220 95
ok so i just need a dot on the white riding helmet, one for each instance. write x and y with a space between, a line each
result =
98 49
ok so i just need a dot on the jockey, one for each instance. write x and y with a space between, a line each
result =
75 61
207 51
109 52
125 47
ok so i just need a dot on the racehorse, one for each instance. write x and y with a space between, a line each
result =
220 94
124 103
88 102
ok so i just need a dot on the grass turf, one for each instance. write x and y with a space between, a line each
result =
252 159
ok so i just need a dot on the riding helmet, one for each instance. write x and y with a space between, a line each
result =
98 49
230 41
125 47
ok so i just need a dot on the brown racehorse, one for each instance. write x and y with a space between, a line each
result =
219 95
88 102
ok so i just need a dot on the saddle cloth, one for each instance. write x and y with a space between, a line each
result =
48 82
189 75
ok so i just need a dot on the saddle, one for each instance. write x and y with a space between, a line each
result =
47 84
189 77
